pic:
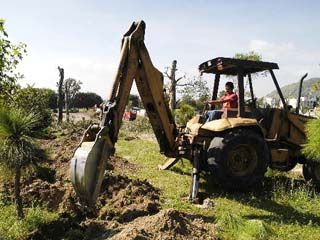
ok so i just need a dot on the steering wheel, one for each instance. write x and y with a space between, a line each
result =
250 102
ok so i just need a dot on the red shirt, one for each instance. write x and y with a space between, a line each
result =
233 103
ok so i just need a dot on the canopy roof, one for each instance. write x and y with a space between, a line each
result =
231 66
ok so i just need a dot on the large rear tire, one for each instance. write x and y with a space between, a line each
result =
239 159
311 171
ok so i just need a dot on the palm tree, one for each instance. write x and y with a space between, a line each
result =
17 145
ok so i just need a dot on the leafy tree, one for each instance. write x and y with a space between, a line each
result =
86 100
260 102
221 93
36 100
252 55
10 56
195 93
135 100
71 87
53 100
315 87
17 145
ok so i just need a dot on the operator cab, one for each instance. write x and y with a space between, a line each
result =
240 68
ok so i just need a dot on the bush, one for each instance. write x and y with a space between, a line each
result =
73 124
140 125
36 100
184 114
312 147
86 100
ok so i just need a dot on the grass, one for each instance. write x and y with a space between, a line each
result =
5 173
285 207
173 184
13 229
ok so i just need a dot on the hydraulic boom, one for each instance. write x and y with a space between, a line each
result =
89 161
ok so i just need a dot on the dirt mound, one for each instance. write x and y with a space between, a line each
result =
61 150
122 165
43 193
124 199
69 204
167 224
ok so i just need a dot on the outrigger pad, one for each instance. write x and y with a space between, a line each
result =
168 164
88 165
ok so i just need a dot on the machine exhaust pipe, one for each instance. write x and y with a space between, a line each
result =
299 94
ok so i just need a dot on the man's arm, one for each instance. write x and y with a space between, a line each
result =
221 100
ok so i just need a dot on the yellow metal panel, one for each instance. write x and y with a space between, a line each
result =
297 136
193 128
298 121
195 119
226 123
276 124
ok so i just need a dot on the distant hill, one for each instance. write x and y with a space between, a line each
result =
291 90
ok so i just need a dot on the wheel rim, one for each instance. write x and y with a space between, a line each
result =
242 160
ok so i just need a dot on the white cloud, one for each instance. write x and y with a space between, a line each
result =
294 61
271 49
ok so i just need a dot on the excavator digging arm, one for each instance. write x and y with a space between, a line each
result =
89 161
149 82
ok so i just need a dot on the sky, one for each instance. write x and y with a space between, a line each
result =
84 37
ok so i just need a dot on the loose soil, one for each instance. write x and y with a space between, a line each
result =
126 208
168 224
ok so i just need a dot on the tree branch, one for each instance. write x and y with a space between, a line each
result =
167 75
179 79
186 84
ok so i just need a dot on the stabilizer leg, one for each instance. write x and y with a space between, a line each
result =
195 173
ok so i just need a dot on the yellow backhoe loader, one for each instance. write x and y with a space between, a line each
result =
237 148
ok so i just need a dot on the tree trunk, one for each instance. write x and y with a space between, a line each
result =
17 195
173 88
67 98
60 95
